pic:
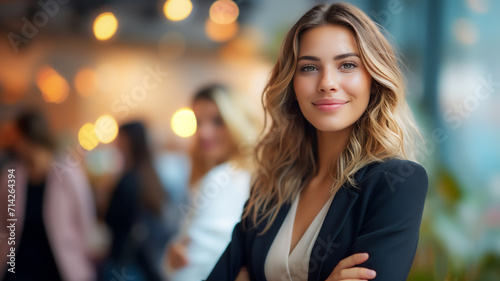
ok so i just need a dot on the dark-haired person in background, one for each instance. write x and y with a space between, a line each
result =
54 212
134 212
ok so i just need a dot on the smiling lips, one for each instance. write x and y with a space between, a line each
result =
329 104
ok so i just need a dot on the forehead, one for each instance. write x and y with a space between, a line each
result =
327 39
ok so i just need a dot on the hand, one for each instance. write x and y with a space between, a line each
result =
346 271
177 256
243 275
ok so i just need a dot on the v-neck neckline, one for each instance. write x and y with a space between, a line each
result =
320 214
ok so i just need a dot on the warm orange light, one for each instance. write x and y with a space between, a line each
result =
220 32
105 26
177 10
86 82
53 86
224 11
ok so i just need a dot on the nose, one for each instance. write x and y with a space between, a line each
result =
328 81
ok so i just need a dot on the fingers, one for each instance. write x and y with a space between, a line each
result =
177 256
346 270
355 273
352 261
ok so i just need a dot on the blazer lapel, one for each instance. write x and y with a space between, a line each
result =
336 216
337 213
262 243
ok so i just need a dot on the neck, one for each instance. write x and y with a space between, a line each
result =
330 146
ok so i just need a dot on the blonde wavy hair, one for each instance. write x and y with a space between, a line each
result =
286 156
243 128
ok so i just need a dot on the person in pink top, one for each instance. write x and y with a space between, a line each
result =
54 210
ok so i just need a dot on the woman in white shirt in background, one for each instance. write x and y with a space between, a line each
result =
220 181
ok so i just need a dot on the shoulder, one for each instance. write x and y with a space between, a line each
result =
394 176
227 171
396 168
227 174
394 164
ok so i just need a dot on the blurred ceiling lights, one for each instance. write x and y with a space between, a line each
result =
53 86
224 11
184 122
104 130
221 24
87 137
105 26
177 10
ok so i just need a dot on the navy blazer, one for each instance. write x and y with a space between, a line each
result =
381 217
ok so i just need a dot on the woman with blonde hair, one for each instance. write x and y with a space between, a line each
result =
337 194
220 180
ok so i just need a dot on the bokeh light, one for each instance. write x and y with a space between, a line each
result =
53 86
220 32
478 6
105 26
106 129
86 82
177 10
465 31
87 137
224 12
184 122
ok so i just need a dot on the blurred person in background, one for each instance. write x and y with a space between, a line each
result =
54 209
220 181
135 209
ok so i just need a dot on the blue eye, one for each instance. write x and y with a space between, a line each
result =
348 66
308 68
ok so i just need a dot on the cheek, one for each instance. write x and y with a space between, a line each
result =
303 86
358 87
221 135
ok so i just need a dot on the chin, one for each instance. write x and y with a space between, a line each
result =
327 125
330 128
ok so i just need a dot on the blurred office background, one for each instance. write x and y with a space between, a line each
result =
91 65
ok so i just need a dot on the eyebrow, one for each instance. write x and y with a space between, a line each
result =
337 57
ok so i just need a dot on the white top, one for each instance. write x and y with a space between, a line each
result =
279 264
209 220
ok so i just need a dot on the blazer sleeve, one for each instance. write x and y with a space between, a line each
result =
390 229
233 258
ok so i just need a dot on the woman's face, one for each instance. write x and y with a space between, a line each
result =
331 84
212 135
